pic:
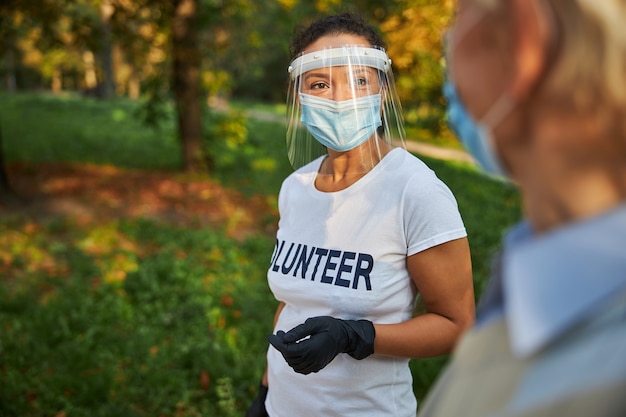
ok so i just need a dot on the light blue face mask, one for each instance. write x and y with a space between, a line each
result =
476 137
341 125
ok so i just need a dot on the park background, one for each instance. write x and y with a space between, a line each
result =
141 153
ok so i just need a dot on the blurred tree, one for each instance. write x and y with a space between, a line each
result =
6 191
253 49
59 38
186 82
24 24
414 30
140 32
17 20
180 39
107 9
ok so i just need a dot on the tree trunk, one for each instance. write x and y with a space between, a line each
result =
10 78
106 51
6 192
186 82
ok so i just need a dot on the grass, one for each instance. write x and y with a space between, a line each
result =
50 128
139 318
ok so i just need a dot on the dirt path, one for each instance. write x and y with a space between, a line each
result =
439 152
92 193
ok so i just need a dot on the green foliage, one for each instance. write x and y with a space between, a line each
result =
180 335
155 109
248 154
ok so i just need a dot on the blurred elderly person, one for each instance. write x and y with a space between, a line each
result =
536 91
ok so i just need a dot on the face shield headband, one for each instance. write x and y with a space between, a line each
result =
340 98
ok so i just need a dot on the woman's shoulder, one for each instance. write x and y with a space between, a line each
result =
416 180
404 164
304 173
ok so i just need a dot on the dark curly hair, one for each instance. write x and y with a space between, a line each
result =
343 23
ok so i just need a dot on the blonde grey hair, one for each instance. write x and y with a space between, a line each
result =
590 65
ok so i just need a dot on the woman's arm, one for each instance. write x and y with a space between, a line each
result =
443 276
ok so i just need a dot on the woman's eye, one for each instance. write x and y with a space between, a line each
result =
319 85
361 82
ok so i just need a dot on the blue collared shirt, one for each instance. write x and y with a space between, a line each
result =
544 285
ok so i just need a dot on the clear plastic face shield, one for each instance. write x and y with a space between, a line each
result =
343 101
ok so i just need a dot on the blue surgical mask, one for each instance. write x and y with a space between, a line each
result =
476 137
341 125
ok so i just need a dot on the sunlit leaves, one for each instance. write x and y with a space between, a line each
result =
325 6
217 83
414 31
26 250
287 4
106 239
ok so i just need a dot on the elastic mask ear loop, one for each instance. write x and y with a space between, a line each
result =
501 108
505 104
478 140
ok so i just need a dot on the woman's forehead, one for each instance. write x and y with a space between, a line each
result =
340 70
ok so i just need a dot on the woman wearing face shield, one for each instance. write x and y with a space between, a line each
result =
537 92
364 228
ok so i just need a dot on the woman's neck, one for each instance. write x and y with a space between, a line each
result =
339 170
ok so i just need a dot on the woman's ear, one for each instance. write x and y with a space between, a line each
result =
531 25
383 96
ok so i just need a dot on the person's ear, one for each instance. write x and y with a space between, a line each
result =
383 96
532 32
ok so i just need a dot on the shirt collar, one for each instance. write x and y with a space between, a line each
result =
553 281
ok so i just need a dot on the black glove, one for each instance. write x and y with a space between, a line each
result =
257 409
328 337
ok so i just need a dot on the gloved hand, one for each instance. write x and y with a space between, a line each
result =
257 409
328 337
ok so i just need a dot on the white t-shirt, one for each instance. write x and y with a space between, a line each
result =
343 254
